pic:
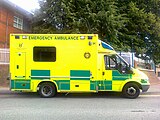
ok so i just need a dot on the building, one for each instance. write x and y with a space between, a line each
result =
13 19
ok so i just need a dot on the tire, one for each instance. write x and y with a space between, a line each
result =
47 90
131 90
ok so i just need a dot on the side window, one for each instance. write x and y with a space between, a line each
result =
114 62
44 54
110 62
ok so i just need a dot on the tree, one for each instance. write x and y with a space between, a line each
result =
128 25
143 28
80 16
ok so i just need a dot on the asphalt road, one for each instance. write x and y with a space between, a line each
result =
103 106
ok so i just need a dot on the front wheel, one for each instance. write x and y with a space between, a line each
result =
131 90
47 90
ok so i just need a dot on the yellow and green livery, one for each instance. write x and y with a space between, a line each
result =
51 63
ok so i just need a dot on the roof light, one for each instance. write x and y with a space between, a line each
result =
17 37
82 37
90 37
106 46
24 37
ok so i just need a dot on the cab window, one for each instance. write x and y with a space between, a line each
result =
114 62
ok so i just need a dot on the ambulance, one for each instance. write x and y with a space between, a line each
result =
70 63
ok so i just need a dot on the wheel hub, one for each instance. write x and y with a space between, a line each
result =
47 90
131 91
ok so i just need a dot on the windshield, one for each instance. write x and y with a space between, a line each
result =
123 59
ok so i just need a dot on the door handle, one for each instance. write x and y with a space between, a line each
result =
103 73
17 66
76 85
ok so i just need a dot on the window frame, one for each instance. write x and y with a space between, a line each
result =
42 50
108 59
18 22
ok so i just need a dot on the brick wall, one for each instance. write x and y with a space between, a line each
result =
6 25
5 20
4 72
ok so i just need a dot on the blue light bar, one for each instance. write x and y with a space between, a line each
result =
106 46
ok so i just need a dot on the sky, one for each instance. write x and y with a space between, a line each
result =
28 5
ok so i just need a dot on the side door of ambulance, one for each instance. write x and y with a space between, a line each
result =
105 75
20 65
106 84
20 81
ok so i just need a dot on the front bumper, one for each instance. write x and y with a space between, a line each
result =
145 88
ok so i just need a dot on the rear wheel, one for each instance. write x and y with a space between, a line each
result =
47 90
131 90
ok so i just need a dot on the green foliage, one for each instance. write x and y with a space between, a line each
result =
81 16
143 28
128 25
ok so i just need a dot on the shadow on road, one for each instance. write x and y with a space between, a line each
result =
61 95
6 93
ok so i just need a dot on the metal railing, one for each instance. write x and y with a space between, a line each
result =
4 56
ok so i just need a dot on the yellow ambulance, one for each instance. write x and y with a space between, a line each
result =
69 63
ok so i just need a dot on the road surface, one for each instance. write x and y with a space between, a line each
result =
103 106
